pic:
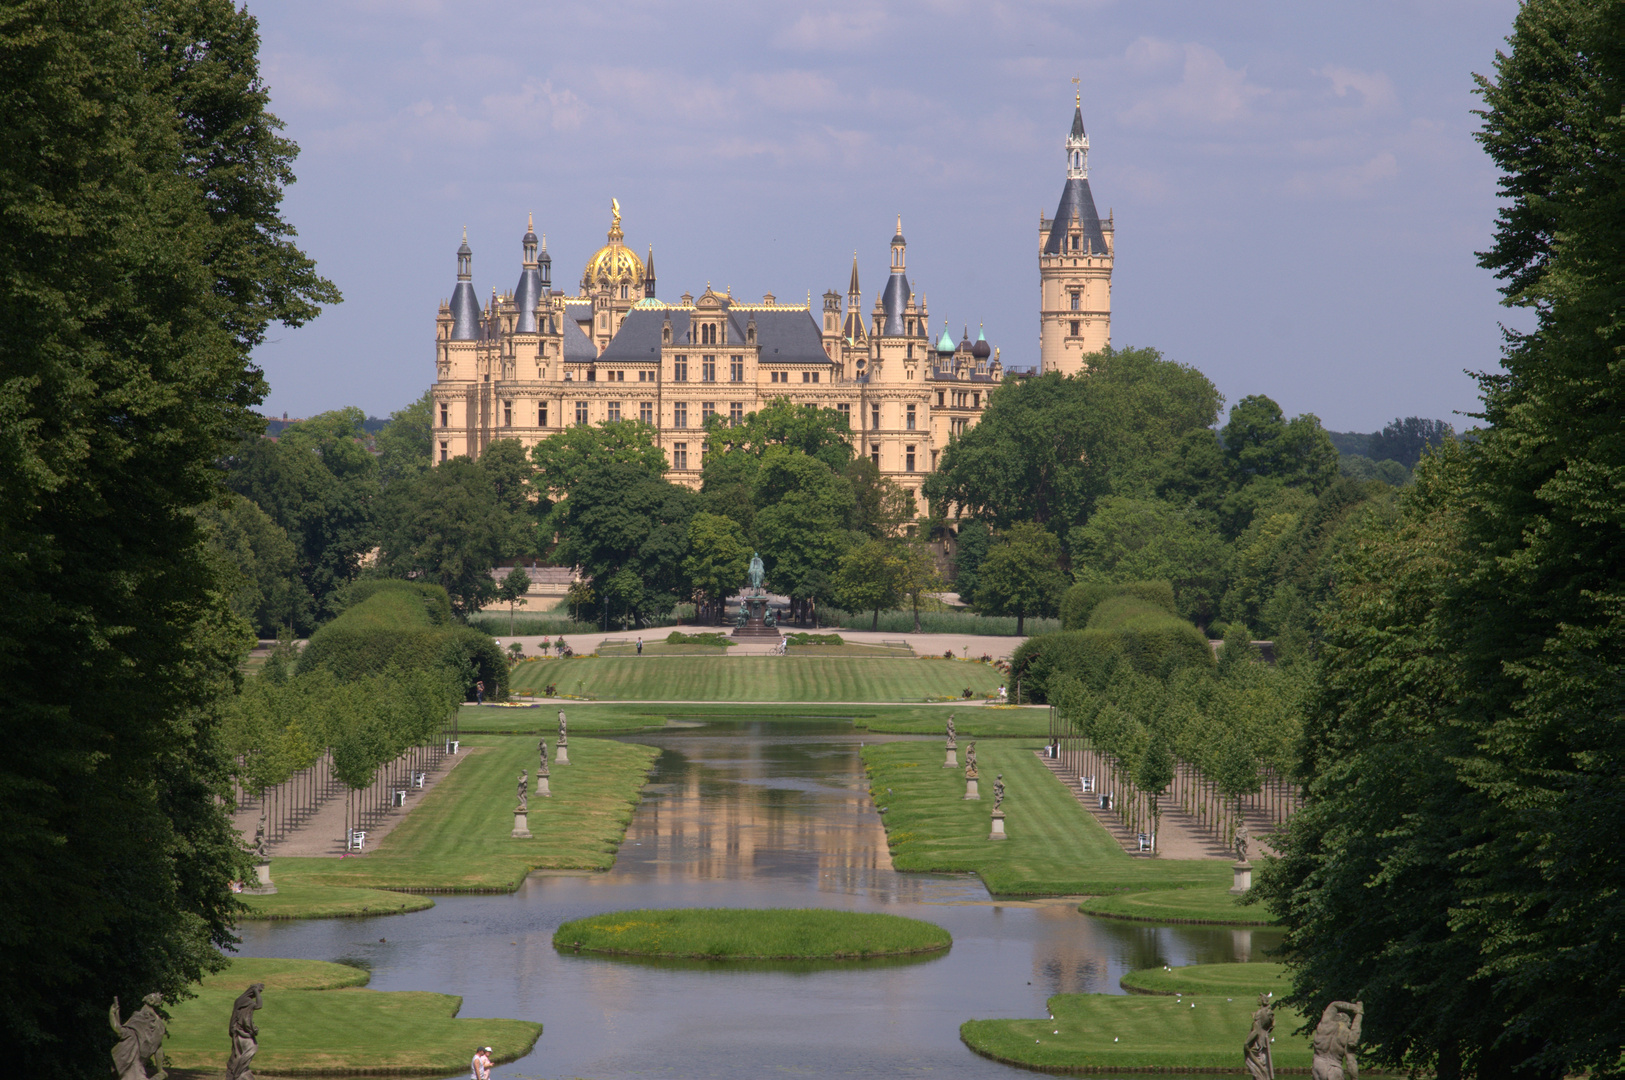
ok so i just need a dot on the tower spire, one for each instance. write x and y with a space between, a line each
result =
1077 142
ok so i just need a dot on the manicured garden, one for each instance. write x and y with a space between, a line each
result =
1055 848
458 839
318 1021
1229 980
1197 1032
973 720
751 934
1215 904
756 678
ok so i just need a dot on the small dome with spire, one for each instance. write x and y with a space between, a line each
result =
945 344
614 263
981 350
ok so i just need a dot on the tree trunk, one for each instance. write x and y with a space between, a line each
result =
875 624
1021 622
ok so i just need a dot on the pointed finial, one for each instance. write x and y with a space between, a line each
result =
544 241
465 234
899 224
530 221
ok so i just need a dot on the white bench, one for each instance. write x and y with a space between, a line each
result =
1087 784
1144 842
397 797
451 746
358 840
418 778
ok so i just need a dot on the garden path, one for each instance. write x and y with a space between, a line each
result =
1179 837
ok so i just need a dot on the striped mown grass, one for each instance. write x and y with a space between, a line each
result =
757 678
317 1021
458 839
1215 904
601 718
1054 847
1226 980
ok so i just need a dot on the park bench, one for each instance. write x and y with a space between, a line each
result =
358 840
1106 800
451 746
418 778
397 797
1144 842
1086 784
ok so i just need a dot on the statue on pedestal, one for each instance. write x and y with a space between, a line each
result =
1256 1052
563 738
951 737
998 792
756 571
524 783
245 1034
541 753
1334 1040
970 760
140 1038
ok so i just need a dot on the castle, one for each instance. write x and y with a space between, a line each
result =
535 360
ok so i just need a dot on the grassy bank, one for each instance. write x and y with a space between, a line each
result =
309 901
318 1021
751 934
1054 848
1216 980
1114 1033
457 840
619 718
1209 905
756 678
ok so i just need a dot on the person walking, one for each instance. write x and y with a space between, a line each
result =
482 1064
479 692
640 646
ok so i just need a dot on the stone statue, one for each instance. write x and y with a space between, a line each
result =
259 842
756 571
561 727
970 760
769 618
541 752
524 798
140 1038
998 792
951 737
1256 1052
244 1033
1241 842
1334 1040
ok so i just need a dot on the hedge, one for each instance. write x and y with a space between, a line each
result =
1132 627
1079 602
406 625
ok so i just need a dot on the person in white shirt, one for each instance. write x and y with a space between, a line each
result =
482 1064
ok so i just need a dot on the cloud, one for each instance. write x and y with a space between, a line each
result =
537 105
1374 88
1209 92
1354 181
832 30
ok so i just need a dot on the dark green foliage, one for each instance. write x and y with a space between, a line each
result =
1405 440
1154 644
268 591
1021 575
677 637
394 626
406 443
1475 654
1356 467
1079 602
508 469
446 527
804 429
141 257
1143 539
975 538
621 517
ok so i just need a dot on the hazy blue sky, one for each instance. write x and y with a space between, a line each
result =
1297 192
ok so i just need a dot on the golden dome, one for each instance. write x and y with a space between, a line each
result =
614 263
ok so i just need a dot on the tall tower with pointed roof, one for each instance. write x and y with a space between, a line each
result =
1074 266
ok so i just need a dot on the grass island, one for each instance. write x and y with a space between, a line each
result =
751 934
1214 905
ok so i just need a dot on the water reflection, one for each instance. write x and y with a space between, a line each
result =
768 814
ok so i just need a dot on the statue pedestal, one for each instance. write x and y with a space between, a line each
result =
1243 877
970 788
542 787
998 826
952 761
262 881
521 825
563 755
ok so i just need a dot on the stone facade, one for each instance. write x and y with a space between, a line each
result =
532 361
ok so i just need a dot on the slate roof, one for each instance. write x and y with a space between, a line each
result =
1076 196
465 313
785 335
525 296
578 347
892 302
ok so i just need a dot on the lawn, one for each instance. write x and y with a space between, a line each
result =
458 839
756 678
751 934
609 718
1210 905
1054 848
1107 1032
308 901
318 1021
1230 980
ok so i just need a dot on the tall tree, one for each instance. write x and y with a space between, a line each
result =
718 560
1022 575
868 579
1407 438
508 468
819 433
142 257
446 528
1479 658
406 443
620 517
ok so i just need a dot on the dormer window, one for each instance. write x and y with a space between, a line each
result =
1074 241
665 334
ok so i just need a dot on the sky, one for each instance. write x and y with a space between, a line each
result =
1297 192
